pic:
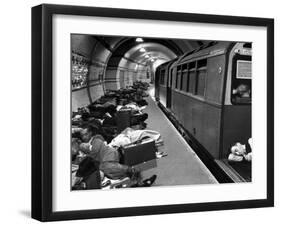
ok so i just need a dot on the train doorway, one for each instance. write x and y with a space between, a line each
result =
169 92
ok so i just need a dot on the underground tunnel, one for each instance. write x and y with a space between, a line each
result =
182 94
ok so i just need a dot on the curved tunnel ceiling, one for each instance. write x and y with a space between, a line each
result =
126 50
116 61
127 43
145 53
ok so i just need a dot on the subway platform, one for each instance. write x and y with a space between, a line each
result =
181 166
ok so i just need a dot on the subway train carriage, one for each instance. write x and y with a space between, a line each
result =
208 92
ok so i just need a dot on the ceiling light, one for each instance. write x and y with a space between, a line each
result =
139 40
146 56
142 50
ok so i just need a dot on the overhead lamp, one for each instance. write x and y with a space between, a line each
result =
139 40
142 50
146 56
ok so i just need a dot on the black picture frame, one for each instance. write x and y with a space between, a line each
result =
42 86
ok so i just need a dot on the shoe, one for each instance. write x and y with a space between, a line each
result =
148 182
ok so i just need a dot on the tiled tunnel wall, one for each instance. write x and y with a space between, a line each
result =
102 77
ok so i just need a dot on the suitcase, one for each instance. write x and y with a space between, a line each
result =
123 119
141 155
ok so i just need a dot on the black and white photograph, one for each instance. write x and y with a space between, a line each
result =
150 112
139 112
119 112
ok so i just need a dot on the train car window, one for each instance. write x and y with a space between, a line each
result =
184 67
187 78
241 80
184 77
187 81
192 82
174 77
201 76
192 66
248 45
178 81
201 64
192 77
181 83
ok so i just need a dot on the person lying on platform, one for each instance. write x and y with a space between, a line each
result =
94 146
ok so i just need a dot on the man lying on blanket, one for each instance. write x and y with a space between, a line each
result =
93 145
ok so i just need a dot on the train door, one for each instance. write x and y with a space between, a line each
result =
172 82
156 84
169 88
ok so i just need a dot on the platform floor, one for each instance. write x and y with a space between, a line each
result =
181 166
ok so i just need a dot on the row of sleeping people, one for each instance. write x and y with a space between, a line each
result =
101 130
